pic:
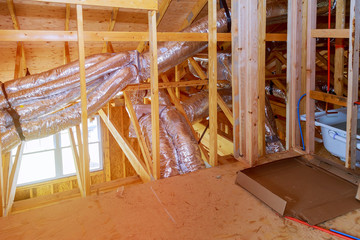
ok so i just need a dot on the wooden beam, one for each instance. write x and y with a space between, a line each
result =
212 70
18 60
132 156
102 36
293 72
146 86
225 109
238 85
353 84
66 44
339 49
329 98
84 124
180 108
144 150
112 22
162 10
197 68
310 77
32 203
261 75
76 161
329 33
111 36
199 5
154 95
133 4
20 65
13 178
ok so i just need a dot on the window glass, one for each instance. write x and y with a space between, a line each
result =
51 157
41 144
36 167
68 161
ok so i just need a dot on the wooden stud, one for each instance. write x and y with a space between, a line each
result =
212 70
66 44
339 49
328 98
17 60
261 76
310 77
134 159
245 53
13 178
112 22
353 84
140 137
293 72
84 124
154 95
303 55
238 93
133 4
329 33
3 183
162 10
76 161
20 67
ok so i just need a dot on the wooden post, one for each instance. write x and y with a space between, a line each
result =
154 95
339 49
133 157
144 150
310 77
261 77
293 73
303 54
112 22
76 161
245 48
353 84
162 10
212 82
238 95
66 44
85 149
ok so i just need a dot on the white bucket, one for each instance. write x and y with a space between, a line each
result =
333 131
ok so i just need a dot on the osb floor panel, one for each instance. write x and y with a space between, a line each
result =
202 205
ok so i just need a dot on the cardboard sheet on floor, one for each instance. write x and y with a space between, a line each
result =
294 187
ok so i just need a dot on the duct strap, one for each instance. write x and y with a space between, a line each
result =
224 5
14 115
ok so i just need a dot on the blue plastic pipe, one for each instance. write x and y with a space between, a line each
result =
298 114
344 234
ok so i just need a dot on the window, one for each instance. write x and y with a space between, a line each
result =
51 157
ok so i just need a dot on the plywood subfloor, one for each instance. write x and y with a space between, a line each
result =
203 205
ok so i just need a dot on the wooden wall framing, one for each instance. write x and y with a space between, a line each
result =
353 35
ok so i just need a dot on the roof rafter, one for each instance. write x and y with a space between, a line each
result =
20 63
162 9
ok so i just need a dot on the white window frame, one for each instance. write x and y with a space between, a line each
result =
58 156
